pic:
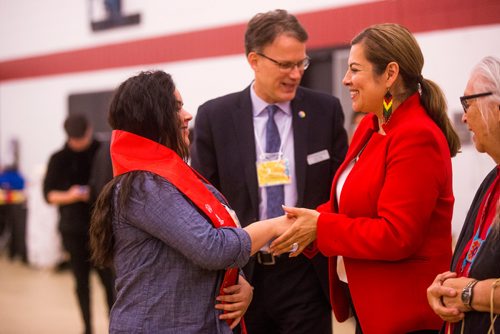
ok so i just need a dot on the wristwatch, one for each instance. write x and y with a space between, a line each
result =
467 294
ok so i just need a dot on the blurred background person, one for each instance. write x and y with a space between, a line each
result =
168 233
389 216
466 297
66 186
13 209
275 123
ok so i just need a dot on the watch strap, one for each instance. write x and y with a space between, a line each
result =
467 294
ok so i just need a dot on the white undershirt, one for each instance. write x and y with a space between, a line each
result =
340 184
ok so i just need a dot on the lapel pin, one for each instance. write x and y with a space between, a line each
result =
302 114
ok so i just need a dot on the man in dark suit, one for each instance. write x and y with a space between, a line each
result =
275 143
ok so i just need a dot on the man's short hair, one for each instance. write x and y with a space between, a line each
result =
263 29
76 125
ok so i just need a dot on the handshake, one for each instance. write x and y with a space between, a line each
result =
296 230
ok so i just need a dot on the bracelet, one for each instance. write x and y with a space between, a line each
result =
467 294
493 316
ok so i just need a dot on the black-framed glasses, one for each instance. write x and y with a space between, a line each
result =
464 99
289 66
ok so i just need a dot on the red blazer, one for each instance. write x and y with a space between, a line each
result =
393 222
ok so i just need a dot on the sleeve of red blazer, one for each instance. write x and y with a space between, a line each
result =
413 180
325 207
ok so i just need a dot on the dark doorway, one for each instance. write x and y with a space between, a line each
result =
319 75
95 106
327 69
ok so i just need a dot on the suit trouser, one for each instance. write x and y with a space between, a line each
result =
77 247
288 298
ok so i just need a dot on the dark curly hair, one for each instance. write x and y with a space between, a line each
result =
145 105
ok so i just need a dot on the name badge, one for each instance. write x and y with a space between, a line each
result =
273 172
314 158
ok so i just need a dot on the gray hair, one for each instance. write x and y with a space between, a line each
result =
485 77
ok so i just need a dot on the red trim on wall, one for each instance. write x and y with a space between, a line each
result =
326 28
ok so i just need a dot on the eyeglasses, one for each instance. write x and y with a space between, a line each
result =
465 103
289 66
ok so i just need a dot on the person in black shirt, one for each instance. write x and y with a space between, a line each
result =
66 185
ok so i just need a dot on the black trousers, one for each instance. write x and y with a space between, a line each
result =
77 247
288 299
13 222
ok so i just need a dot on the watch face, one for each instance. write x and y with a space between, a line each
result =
466 296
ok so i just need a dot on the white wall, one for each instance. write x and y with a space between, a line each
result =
449 58
39 27
33 110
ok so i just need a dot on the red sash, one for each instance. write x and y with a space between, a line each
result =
130 152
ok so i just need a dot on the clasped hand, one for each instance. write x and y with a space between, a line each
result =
299 235
443 296
235 302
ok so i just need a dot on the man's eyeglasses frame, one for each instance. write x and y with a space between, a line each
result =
289 66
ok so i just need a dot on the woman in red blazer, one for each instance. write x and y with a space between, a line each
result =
390 209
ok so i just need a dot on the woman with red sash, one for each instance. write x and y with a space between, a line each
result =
170 235
468 296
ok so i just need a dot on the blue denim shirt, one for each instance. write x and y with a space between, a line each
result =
169 262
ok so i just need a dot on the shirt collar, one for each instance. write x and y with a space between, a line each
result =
258 104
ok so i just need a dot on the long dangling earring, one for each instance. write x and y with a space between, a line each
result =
387 106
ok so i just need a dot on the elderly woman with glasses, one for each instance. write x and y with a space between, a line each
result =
467 297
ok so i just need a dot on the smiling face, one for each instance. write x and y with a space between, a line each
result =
482 119
367 89
184 117
272 84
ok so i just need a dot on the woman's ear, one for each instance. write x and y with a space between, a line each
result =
392 73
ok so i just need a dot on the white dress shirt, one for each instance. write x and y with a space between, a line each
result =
283 119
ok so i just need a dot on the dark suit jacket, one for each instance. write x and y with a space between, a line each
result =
223 151
487 262
101 172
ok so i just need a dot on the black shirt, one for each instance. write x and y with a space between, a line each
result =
65 169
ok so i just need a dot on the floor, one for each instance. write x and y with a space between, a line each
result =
34 301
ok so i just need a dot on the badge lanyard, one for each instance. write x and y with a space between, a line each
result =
477 241
262 153
272 167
